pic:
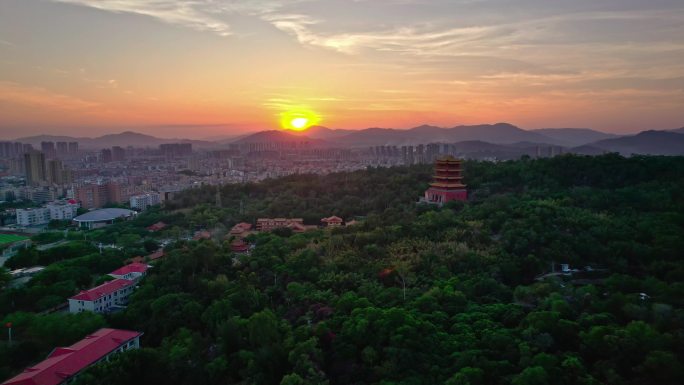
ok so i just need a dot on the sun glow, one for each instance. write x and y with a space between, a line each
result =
299 120
299 123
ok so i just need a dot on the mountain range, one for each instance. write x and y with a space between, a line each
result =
123 139
500 138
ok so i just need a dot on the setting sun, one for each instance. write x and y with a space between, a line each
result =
299 123
299 120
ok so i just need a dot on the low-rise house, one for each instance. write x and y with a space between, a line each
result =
33 216
203 234
239 246
144 201
268 224
133 271
332 221
103 298
63 210
65 363
241 229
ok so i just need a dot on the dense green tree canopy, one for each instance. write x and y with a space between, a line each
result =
413 294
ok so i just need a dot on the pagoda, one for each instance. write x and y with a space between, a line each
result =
446 186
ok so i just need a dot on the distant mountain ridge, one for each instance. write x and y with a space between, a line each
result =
501 138
574 136
123 139
499 133
279 136
646 142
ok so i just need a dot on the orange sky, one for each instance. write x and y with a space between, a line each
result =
87 67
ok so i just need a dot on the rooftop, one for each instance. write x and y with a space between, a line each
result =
104 215
334 219
134 267
63 363
102 290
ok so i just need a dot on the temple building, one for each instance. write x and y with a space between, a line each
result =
333 221
446 186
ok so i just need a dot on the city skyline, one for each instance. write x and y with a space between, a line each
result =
224 68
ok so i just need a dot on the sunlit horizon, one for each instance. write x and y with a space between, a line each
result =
224 68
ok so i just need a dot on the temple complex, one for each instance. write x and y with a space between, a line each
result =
446 186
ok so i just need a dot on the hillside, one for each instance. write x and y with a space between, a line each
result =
573 137
123 139
647 142
279 136
500 133
474 282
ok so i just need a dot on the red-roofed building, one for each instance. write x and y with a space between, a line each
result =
103 298
241 229
332 221
133 271
63 364
159 254
156 227
268 224
239 246
202 234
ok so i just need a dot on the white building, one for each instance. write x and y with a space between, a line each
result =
132 271
101 299
142 202
33 216
63 210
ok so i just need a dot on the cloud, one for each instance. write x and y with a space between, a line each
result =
197 15
443 39
15 93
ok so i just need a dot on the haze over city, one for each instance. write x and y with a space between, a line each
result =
204 69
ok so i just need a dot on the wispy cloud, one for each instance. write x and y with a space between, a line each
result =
197 15
15 93
429 39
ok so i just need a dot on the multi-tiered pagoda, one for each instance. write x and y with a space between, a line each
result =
447 185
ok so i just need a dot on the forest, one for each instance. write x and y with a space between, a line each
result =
411 294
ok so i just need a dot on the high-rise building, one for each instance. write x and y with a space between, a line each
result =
34 164
9 150
118 154
62 149
106 155
420 153
92 196
175 149
48 148
73 148
53 171
56 173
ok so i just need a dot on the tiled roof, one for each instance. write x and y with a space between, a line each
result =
131 268
332 219
64 363
102 290
157 254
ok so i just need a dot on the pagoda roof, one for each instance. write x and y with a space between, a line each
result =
448 185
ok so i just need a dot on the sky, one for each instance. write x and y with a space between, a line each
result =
220 68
